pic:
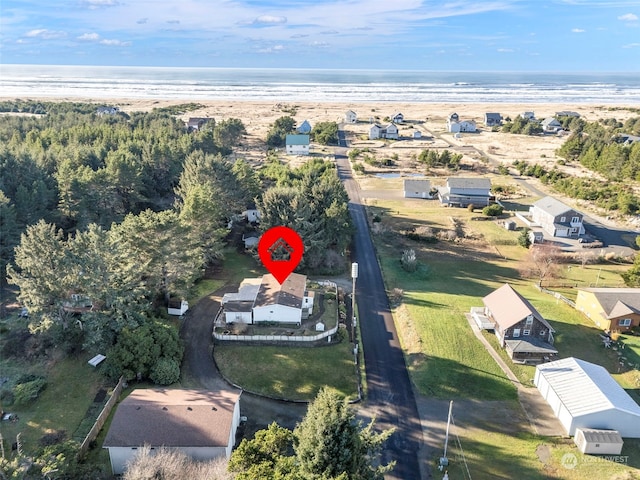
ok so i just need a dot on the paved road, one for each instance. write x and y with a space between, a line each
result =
389 393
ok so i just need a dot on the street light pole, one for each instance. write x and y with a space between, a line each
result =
354 275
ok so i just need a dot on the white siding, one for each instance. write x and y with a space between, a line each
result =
297 149
584 395
277 313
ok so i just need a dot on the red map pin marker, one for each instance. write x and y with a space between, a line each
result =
280 249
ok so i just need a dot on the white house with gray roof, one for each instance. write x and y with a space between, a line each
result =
556 218
264 299
201 424
417 188
585 395
461 192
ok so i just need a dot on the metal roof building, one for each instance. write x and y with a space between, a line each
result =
584 395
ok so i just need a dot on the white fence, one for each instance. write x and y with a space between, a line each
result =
275 338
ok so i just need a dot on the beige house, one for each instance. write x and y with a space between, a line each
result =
200 423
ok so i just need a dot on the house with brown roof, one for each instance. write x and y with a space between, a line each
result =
266 300
521 330
200 423
610 308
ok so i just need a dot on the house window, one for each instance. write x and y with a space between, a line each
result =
575 219
542 332
529 320
563 219
526 332
516 332
625 322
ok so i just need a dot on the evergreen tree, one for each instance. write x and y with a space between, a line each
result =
330 442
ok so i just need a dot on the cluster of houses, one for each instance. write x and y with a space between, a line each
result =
546 216
588 402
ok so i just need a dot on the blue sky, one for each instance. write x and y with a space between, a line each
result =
453 35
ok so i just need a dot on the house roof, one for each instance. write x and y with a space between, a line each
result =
247 291
585 388
552 206
508 307
617 302
469 183
292 139
494 116
551 121
530 345
173 418
417 185
289 294
593 435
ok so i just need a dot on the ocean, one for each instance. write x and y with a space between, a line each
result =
308 85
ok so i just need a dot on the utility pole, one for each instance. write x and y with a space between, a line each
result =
354 275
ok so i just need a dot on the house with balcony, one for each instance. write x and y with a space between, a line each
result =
521 330
556 218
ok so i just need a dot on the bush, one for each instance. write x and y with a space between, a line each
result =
492 210
165 372
6 397
409 261
27 392
523 239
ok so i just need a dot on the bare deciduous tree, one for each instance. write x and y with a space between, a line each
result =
543 262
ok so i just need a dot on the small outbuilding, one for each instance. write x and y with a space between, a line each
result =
598 442
297 144
417 188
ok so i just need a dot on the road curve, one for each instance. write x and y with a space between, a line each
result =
389 393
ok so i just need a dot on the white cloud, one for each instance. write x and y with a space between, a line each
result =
506 50
628 17
90 37
578 30
274 49
45 34
142 21
93 4
631 45
114 43
270 20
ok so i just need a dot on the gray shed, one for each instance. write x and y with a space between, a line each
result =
599 442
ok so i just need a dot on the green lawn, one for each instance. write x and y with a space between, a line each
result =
287 372
71 387
445 360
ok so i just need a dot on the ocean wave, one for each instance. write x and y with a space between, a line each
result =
314 85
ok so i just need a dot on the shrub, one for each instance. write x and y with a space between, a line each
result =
409 261
165 372
26 392
492 210
6 397
523 239
471 207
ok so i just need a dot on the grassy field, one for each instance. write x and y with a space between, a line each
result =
293 373
71 387
446 360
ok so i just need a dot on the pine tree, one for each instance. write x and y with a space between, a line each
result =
330 442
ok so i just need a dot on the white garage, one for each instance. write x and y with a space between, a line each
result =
584 395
